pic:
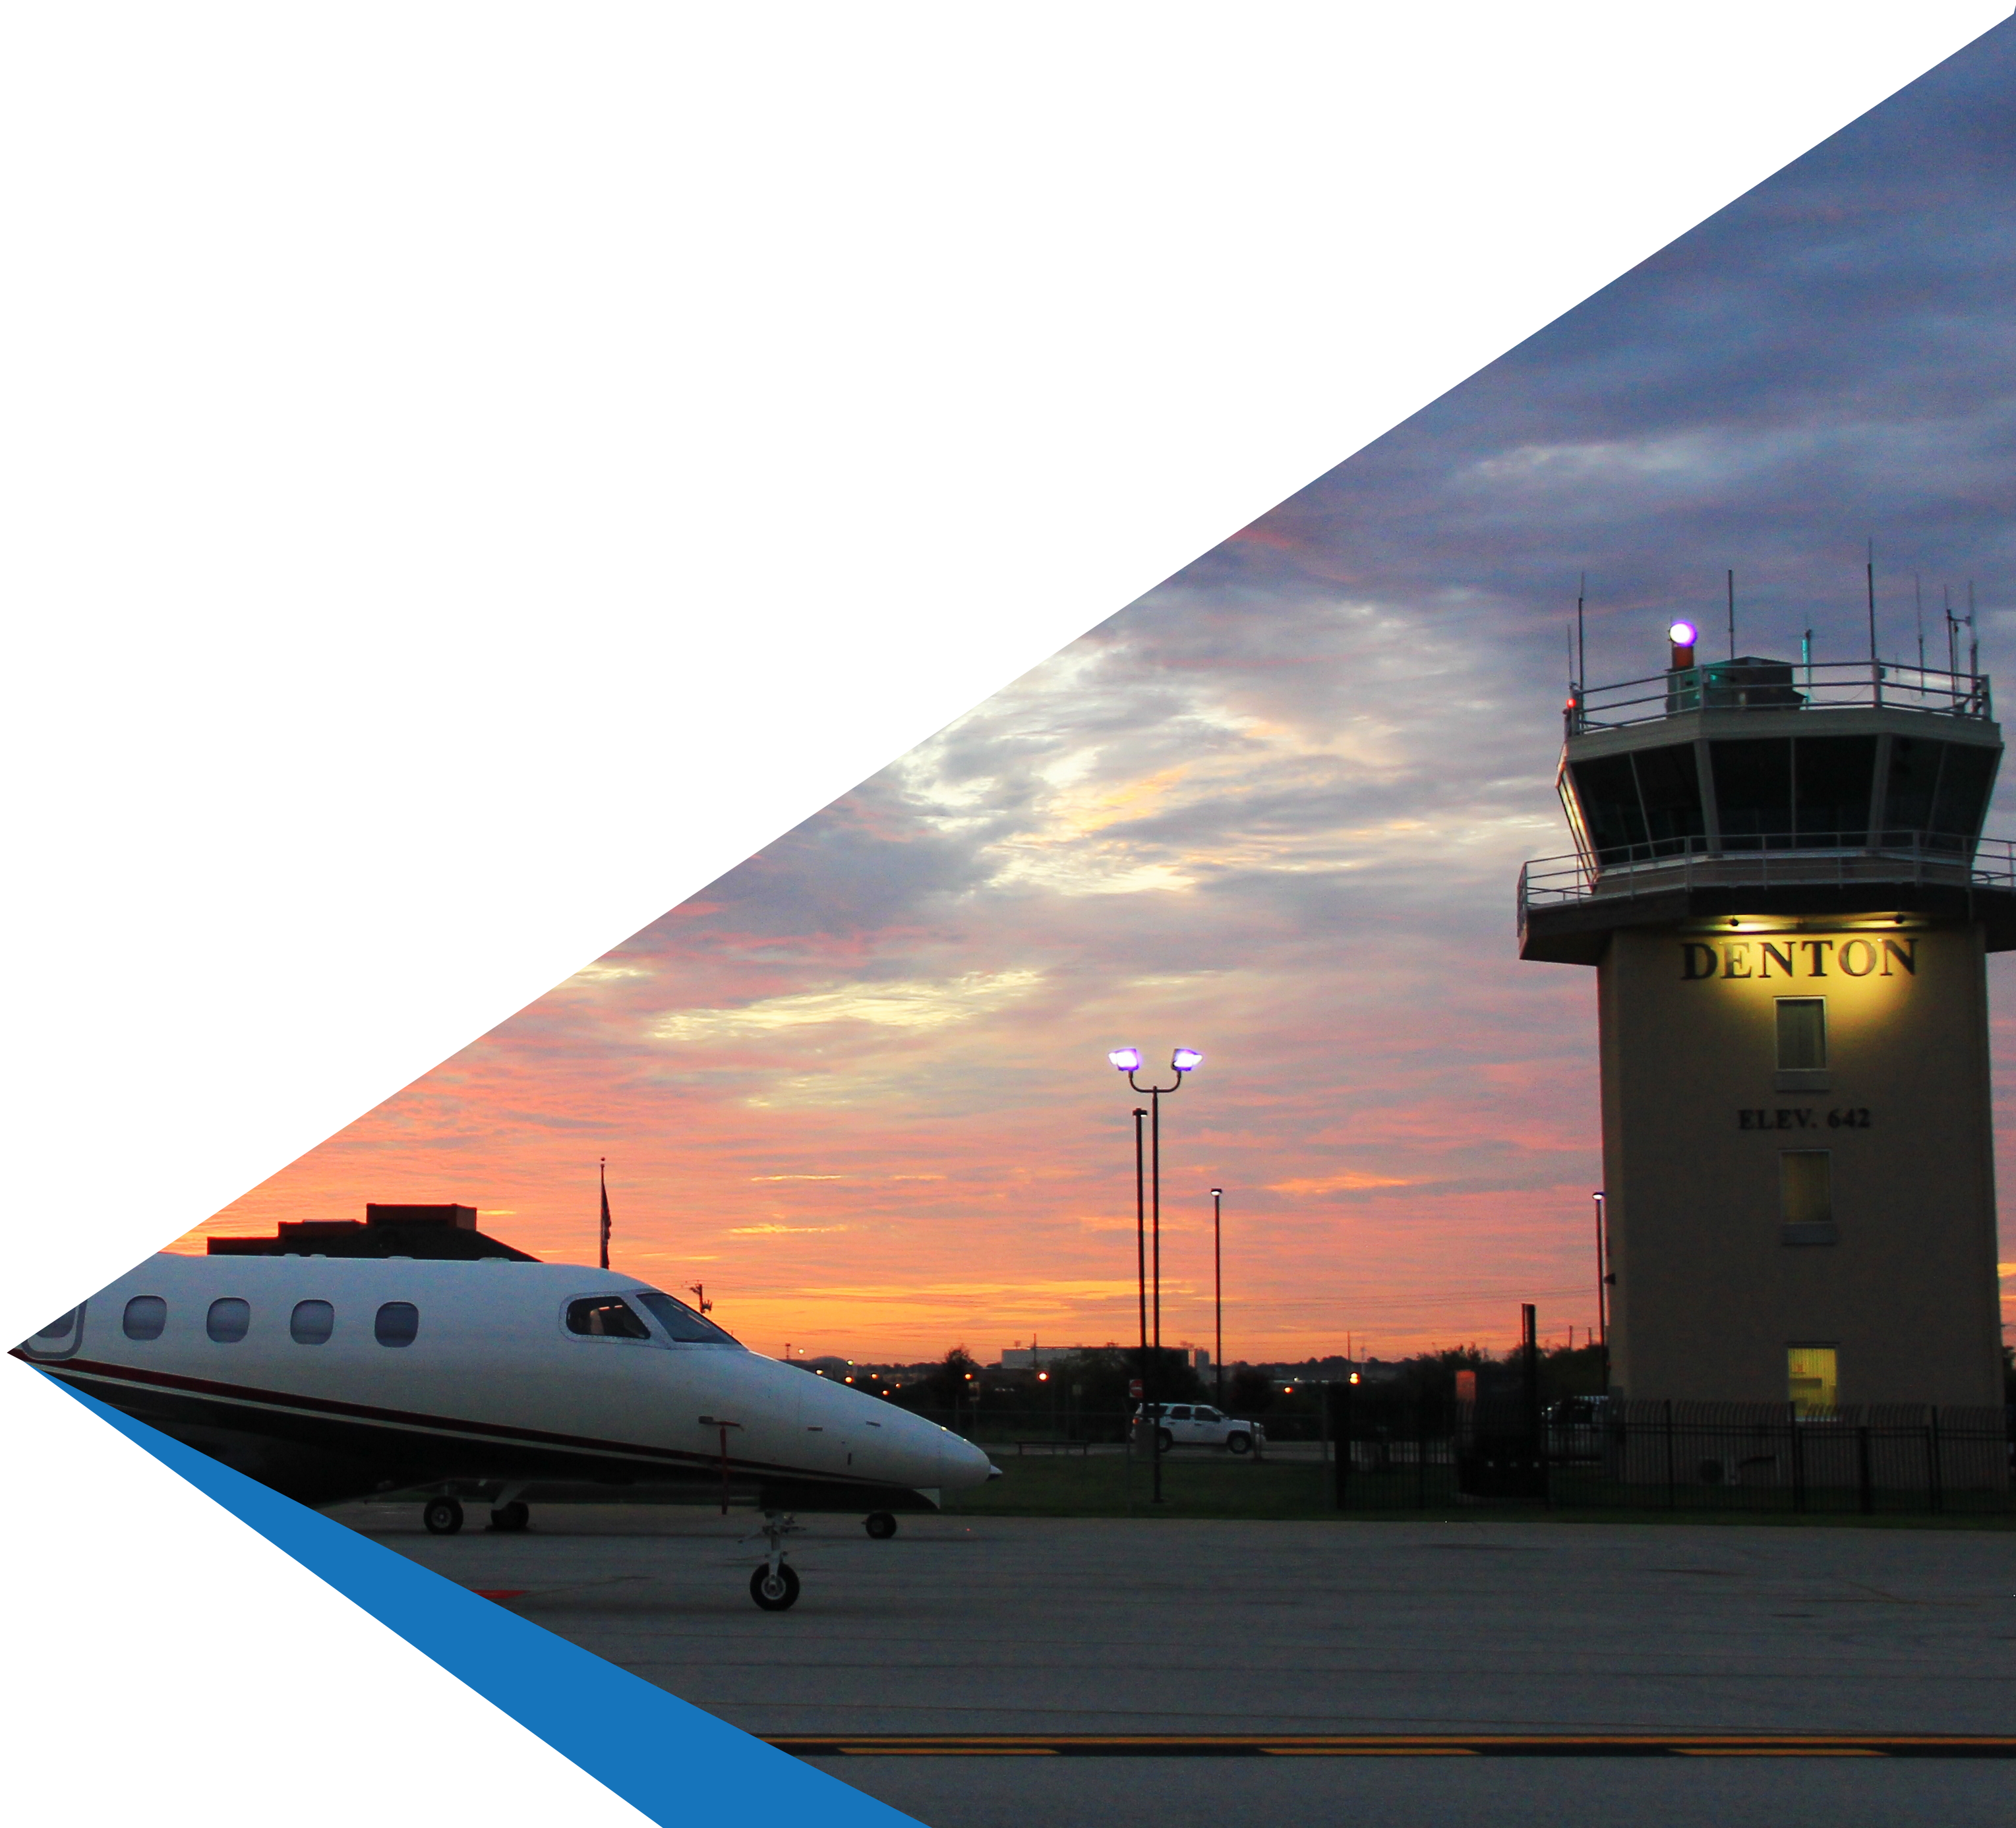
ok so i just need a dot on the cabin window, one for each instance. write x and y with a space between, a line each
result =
146 1317
228 1321
58 1340
605 1317
398 1324
682 1323
312 1322
1801 1033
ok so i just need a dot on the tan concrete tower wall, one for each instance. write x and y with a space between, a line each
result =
1711 1287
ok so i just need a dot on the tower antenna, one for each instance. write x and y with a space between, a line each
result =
1871 574
1732 615
1952 632
1581 637
1918 603
1973 635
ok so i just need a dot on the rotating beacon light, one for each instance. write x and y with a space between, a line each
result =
1683 635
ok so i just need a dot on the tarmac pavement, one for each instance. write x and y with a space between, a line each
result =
1042 1626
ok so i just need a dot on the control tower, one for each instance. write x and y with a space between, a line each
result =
1779 878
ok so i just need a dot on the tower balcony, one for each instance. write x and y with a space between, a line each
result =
1750 683
1569 905
1764 787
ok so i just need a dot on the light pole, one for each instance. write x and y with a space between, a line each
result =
1183 1062
1218 1294
1602 1290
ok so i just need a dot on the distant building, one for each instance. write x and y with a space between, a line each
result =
446 1232
1035 1358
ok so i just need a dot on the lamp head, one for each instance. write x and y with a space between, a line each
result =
1683 635
1186 1060
1126 1060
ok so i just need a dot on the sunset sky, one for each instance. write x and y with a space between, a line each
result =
1275 810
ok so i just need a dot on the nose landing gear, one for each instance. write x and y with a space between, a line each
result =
442 1517
774 1586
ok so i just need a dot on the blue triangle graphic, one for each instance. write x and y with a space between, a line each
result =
190 1645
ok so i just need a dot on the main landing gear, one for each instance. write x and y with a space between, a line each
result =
880 1525
511 1517
774 1586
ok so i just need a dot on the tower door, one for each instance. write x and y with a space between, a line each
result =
1809 1379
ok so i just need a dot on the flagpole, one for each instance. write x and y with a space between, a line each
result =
604 1178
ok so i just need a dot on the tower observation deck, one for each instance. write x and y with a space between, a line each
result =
1779 876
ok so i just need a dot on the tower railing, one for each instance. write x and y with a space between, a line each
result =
1768 860
1753 685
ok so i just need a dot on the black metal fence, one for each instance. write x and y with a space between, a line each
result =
1672 1456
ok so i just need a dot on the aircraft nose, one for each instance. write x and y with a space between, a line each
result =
963 1464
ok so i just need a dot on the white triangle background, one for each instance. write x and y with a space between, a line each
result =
472 476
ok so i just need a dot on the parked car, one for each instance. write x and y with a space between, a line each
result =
1575 1427
1199 1425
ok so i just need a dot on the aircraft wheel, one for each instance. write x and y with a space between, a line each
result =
1164 1441
443 1516
776 1592
512 1516
880 1525
1239 1444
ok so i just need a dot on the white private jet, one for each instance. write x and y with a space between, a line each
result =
331 1378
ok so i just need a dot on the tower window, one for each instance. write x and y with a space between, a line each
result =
1801 1033
1806 1187
1810 1372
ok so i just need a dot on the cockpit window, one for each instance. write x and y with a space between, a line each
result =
605 1317
681 1322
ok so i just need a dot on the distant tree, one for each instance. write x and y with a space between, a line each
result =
1252 1391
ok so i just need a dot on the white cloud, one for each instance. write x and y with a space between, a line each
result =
909 1003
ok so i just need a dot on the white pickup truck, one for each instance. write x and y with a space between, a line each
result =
1199 1425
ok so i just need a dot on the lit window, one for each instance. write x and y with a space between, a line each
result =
228 1321
1809 1379
398 1324
146 1315
1806 1187
1801 1033
312 1322
605 1317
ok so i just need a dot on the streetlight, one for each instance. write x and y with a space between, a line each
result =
1183 1062
1218 1294
1602 1282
